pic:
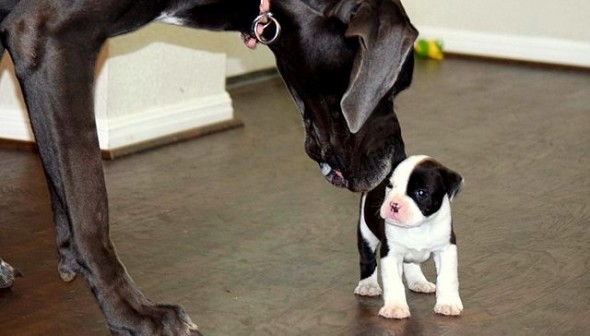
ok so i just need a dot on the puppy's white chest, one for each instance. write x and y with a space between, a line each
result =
416 256
416 244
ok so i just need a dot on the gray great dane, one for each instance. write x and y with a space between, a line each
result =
343 62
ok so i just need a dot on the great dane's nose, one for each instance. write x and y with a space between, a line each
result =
395 207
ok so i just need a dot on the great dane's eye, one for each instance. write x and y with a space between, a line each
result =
389 185
354 9
421 193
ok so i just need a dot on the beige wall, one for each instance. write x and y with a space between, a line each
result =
537 30
568 19
240 59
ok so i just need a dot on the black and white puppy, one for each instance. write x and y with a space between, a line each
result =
409 215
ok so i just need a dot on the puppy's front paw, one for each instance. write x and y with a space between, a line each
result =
395 311
422 287
367 288
449 308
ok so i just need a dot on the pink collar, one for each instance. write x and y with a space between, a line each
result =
260 23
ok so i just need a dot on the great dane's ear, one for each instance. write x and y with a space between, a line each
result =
386 39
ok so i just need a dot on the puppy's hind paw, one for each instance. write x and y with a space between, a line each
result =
449 309
422 287
395 311
367 289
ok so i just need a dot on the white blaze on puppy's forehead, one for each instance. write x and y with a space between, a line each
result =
401 174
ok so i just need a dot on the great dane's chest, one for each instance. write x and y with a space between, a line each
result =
416 244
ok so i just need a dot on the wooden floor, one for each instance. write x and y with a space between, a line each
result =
241 229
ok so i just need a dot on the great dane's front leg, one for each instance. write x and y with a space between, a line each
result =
67 265
54 59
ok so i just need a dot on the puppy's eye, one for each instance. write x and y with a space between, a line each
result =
421 193
389 185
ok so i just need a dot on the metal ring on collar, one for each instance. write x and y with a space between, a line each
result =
266 19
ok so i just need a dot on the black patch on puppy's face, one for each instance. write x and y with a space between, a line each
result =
429 182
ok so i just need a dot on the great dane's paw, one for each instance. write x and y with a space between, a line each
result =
367 288
162 320
8 274
68 269
195 332
395 311
452 307
422 287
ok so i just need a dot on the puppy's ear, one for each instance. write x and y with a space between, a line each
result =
386 39
453 182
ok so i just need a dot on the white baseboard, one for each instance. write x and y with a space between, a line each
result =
132 129
525 48
15 125
117 132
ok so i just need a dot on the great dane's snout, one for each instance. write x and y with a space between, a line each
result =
395 207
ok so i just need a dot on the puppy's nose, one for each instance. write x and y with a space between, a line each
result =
395 207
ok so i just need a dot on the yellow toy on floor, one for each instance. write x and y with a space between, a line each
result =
432 49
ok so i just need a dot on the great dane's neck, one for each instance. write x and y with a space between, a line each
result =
237 15
216 15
